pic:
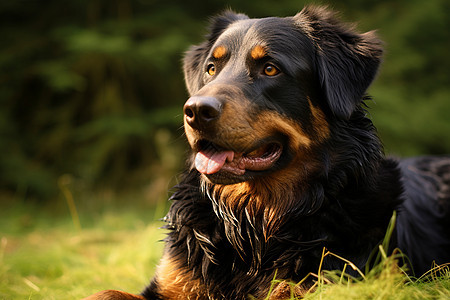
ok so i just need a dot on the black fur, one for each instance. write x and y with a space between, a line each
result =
345 205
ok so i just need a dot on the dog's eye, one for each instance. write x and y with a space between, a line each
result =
211 70
271 70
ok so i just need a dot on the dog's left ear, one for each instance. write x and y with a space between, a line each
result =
347 61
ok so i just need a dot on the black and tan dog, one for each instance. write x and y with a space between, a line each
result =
286 162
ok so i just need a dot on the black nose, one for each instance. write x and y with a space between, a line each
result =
202 111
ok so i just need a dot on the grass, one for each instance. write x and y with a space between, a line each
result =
45 255
386 281
52 253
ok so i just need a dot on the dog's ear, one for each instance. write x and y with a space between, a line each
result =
347 61
196 55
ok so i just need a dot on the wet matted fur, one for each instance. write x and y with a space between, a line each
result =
286 162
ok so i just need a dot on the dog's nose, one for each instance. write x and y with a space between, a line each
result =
202 111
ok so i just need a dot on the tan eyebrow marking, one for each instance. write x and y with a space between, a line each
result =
219 52
258 52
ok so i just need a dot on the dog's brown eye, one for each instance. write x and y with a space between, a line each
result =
271 70
211 70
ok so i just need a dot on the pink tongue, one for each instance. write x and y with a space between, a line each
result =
210 161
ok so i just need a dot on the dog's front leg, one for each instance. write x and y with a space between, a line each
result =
174 281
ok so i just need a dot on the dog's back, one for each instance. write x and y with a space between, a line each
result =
423 223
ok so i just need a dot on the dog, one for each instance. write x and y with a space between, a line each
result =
285 162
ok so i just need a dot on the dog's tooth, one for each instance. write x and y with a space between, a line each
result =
230 156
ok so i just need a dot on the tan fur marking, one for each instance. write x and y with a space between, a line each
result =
219 52
175 283
113 295
271 122
258 52
320 122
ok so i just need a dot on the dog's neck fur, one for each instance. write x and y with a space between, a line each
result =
251 214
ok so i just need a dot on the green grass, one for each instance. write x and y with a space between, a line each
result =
44 254
386 281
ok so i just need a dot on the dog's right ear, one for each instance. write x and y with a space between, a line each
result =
347 61
196 55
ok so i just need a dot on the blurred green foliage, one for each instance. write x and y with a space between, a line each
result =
94 88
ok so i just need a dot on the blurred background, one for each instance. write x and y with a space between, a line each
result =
91 92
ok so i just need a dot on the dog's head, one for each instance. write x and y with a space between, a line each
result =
265 92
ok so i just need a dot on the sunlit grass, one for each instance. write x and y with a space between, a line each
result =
57 264
386 281
45 256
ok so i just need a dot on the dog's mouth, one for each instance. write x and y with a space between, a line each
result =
212 158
